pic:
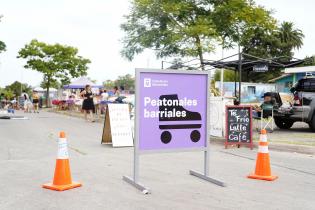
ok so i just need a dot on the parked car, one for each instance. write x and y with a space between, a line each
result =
303 107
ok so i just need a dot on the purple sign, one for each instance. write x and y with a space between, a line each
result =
172 110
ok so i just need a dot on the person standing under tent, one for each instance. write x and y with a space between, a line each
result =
116 92
104 95
104 100
88 103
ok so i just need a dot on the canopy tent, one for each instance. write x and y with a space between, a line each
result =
81 83
39 89
239 62
247 62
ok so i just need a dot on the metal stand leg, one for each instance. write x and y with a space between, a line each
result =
205 175
207 178
134 181
139 186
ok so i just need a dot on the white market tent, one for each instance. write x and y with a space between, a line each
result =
81 83
39 89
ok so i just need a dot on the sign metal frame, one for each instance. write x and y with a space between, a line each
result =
134 180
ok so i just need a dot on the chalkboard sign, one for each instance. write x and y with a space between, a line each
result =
239 125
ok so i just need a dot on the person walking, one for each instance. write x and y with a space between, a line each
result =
35 98
27 103
88 103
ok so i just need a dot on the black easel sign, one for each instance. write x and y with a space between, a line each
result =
239 125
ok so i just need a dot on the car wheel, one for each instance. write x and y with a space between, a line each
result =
283 124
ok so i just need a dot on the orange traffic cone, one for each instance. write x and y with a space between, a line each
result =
263 170
62 178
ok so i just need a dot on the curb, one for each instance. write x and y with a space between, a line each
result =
309 150
75 115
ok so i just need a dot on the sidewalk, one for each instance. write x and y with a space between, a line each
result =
298 139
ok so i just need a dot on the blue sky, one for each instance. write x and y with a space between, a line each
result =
93 27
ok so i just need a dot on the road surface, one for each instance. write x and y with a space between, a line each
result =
27 160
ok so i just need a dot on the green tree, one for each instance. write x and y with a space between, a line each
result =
2 44
127 81
17 88
108 84
187 28
229 75
277 45
178 63
8 94
56 62
308 61
290 38
237 20
53 83
171 28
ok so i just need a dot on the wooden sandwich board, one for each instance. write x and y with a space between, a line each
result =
117 126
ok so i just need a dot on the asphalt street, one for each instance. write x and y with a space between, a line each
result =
27 160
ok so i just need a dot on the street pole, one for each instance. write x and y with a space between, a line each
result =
240 73
222 76
21 81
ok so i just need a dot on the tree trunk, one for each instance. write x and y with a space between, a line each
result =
200 52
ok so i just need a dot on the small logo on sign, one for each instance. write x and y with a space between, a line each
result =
147 82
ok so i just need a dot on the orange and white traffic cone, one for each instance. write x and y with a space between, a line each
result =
263 170
62 178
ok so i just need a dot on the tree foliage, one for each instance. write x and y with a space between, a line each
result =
16 89
127 81
54 83
277 45
8 94
190 28
170 27
2 44
57 62
229 75
308 61
109 84
237 20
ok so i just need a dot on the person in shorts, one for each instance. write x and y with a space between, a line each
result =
35 98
